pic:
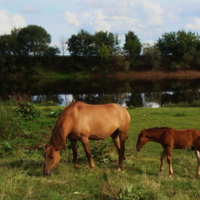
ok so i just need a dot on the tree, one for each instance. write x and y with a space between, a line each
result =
152 55
33 40
107 39
8 44
85 44
132 45
181 46
63 45
81 44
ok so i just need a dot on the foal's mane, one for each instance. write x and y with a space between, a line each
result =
155 128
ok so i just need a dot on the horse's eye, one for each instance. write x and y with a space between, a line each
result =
51 157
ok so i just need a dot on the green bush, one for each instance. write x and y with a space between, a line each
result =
5 148
27 110
57 113
153 56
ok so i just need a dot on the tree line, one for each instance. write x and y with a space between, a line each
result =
98 52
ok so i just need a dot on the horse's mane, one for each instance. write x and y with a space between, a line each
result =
57 138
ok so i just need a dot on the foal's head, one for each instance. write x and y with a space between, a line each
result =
142 140
51 159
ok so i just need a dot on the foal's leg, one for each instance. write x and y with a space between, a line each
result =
74 149
197 153
169 160
86 146
162 158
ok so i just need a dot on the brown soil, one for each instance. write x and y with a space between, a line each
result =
179 74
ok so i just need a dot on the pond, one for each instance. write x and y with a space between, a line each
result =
137 93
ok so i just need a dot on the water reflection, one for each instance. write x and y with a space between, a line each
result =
137 93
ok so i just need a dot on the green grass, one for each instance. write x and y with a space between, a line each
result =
21 172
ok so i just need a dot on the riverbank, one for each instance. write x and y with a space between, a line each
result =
179 74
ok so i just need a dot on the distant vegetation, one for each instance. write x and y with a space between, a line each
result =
27 51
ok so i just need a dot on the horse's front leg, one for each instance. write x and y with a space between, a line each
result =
86 146
121 151
162 158
197 153
75 152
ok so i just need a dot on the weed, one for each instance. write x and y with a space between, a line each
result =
180 115
56 113
5 148
27 110
130 193
131 107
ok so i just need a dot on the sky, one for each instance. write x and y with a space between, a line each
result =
148 19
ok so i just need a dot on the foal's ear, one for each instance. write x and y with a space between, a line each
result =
142 132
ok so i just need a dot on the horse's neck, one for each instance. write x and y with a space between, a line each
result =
154 136
60 133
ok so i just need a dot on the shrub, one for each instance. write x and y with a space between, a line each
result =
57 113
27 110
153 56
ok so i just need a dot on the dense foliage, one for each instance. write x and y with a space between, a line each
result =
17 48
132 45
28 49
182 47
85 44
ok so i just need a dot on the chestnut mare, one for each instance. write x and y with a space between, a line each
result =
171 139
83 122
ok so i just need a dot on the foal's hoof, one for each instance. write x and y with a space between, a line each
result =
170 176
119 169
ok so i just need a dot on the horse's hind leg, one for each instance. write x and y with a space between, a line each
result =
162 158
86 146
115 138
169 160
197 153
74 149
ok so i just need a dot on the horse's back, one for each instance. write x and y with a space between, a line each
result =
181 138
99 121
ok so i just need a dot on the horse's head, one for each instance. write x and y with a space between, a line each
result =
51 159
142 140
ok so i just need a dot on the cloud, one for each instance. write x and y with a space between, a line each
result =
97 20
151 13
71 18
144 17
29 9
117 15
8 21
194 25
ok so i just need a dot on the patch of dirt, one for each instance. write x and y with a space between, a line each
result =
179 74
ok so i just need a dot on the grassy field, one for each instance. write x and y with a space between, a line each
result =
21 170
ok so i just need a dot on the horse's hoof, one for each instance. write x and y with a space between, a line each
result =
119 169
